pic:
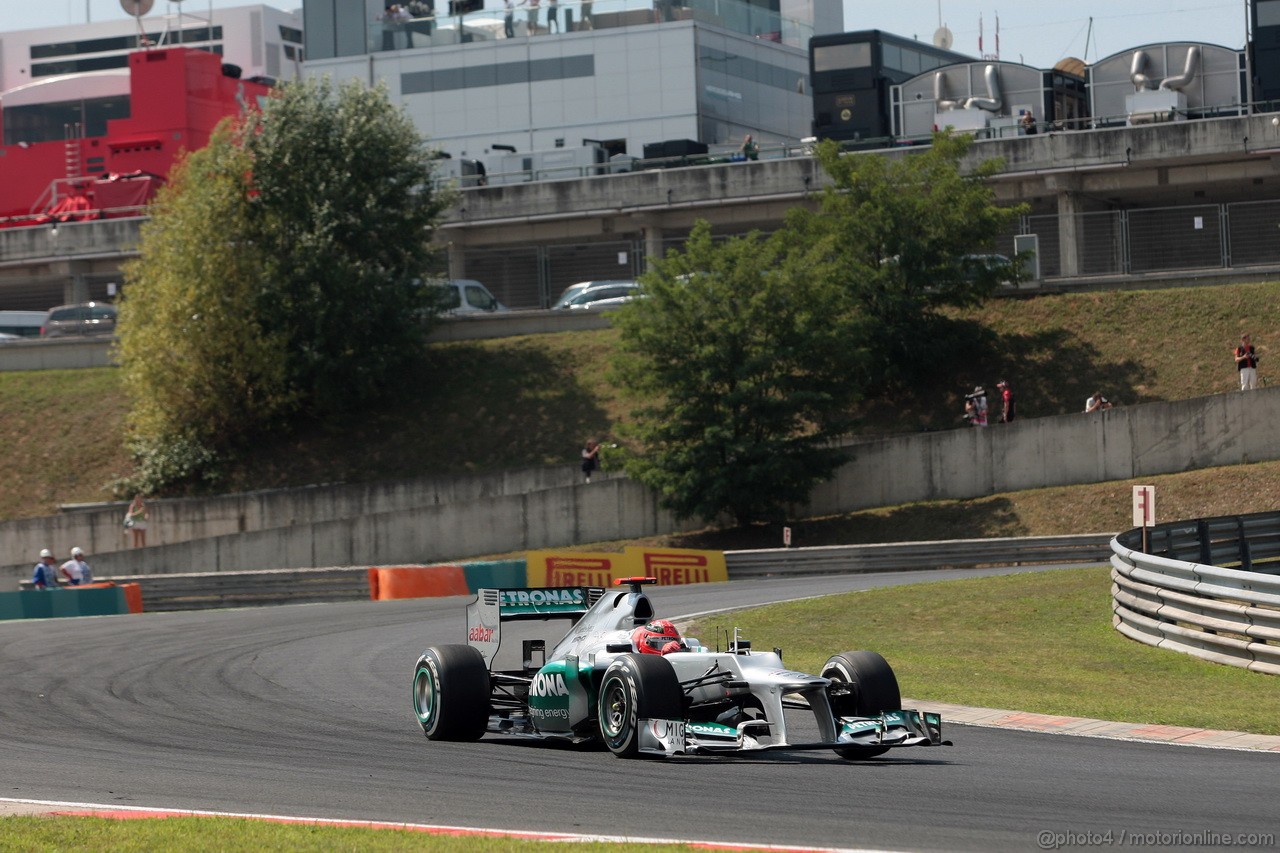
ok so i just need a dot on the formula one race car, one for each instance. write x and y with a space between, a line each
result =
614 673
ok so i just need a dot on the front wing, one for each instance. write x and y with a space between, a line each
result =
889 729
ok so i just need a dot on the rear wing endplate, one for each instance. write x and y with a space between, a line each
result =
547 613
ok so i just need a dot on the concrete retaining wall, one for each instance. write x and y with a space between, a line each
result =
1117 444
602 511
97 528
450 518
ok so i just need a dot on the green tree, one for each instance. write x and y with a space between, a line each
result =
279 276
906 234
199 366
344 214
743 367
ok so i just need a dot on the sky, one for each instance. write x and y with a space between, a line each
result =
1037 32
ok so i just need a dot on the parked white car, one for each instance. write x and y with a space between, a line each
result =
460 296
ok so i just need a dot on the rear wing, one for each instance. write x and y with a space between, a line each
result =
514 628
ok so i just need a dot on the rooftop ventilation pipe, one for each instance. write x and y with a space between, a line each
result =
994 99
1188 74
1136 72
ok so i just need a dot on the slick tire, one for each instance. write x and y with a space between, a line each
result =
636 687
451 693
874 689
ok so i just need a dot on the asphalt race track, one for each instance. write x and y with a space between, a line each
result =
305 711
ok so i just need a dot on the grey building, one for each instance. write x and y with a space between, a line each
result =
620 73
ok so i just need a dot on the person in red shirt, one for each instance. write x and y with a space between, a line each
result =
1008 408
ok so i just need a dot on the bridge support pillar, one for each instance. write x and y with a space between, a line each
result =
457 260
1068 224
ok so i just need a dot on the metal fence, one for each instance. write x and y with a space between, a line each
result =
1162 239
535 276
1207 588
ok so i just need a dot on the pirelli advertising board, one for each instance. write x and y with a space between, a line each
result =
585 568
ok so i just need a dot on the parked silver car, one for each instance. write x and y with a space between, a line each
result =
83 318
598 294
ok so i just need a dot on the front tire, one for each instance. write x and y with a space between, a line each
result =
451 693
636 687
874 689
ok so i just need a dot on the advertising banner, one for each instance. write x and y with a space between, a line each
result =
589 568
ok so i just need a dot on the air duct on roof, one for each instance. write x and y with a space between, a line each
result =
1137 72
940 100
1176 83
994 99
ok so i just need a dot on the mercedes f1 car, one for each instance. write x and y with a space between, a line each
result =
585 664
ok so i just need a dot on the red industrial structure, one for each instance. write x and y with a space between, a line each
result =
176 97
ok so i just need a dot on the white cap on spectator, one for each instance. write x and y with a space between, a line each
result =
45 553
76 552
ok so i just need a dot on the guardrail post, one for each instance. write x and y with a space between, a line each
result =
1246 556
1202 535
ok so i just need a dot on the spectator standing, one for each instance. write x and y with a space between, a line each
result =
1028 123
975 407
1096 403
587 22
1008 406
590 458
533 15
135 520
553 16
750 149
76 570
509 19
45 574
1247 364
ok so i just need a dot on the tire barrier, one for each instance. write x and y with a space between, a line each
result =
1206 588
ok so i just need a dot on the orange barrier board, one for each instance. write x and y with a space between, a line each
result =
391 582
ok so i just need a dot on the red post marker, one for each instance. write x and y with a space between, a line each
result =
1144 510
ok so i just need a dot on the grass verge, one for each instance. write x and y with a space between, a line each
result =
232 835
1040 642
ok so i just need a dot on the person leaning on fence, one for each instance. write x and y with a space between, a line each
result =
750 149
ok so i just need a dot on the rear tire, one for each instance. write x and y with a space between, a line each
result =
636 687
874 690
451 693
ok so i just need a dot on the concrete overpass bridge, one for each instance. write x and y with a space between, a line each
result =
1158 198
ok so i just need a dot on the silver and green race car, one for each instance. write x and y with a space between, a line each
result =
560 663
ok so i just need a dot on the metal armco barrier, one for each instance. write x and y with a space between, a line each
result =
298 586
1208 588
902 556
209 591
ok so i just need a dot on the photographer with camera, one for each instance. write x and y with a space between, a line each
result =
1247 364
975 407
1096 403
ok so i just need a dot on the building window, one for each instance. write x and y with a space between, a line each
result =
839 57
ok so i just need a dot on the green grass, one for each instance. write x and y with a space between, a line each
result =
1040 642
230 835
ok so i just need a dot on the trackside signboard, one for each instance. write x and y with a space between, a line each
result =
670 566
